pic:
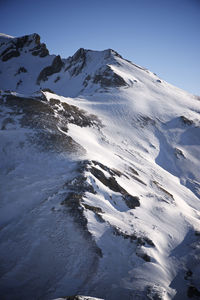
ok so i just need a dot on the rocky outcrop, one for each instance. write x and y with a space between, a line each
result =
77 62
93 68
14 46
55 67
186 121
50 129
105 76
75 205
110 182
108 78
9 53
73 114
40 50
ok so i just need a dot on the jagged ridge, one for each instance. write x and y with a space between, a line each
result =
101 191
85 69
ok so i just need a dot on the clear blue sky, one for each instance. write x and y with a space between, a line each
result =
161 35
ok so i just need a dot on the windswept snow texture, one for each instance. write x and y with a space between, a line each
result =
100 178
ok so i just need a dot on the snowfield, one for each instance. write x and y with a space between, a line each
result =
100 178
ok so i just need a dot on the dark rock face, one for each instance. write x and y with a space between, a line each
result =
80 54
138 242
179 153
186 121
105 168
131 201
72 202
27 40
95 209
75 205
75 115
17 44
109 182
38 115
108 78
193 292
77 62
55 67
40 50
144 256
11 54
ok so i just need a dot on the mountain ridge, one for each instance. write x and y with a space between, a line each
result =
80 72
100 181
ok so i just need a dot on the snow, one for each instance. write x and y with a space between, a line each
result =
4 38
142 130
123 136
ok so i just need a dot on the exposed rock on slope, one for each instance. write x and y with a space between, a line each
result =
56 67
100 186
31 43
74 75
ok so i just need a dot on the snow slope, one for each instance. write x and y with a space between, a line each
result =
100 182
4 38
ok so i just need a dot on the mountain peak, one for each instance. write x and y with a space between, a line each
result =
13 47
100 178
93 67
105 54
85 72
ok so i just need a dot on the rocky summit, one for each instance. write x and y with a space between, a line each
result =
99 175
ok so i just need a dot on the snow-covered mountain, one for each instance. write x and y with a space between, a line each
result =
100 178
